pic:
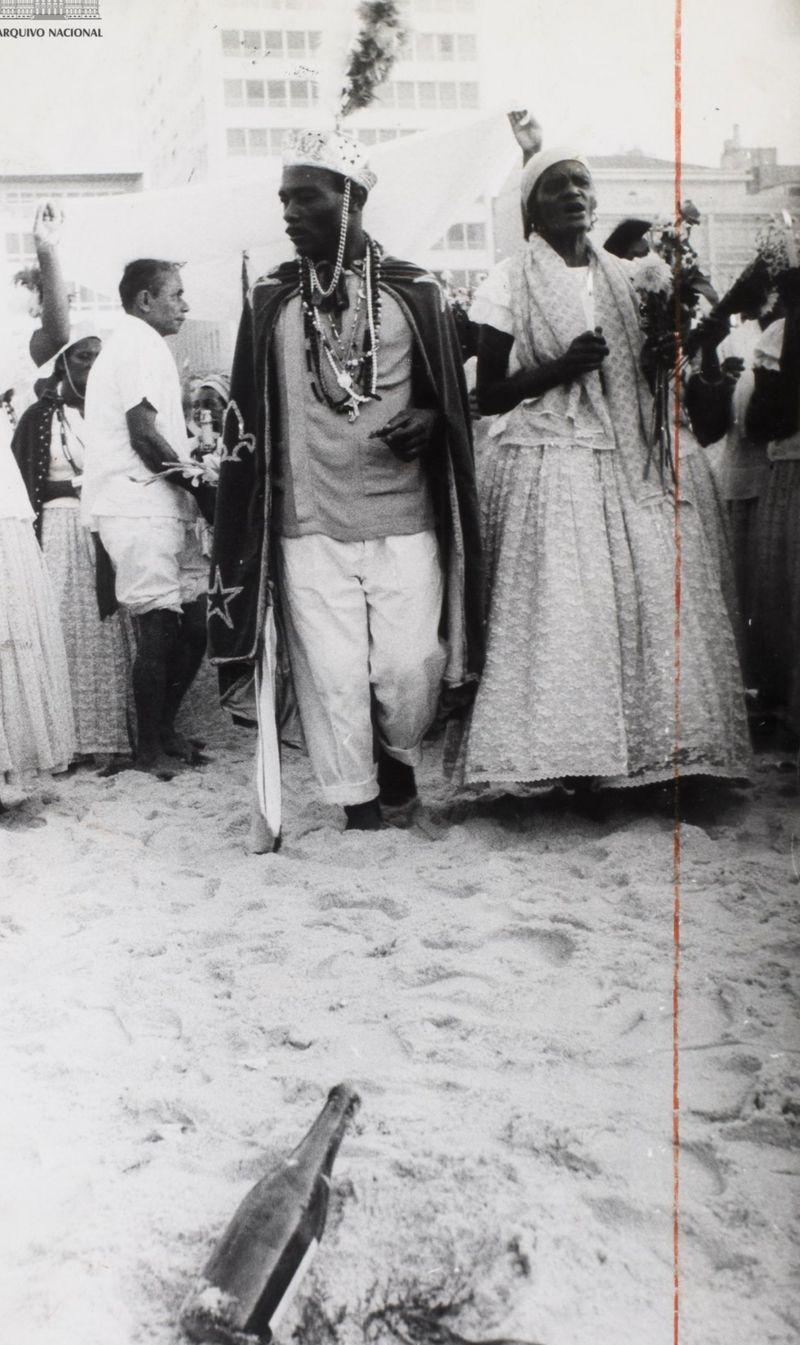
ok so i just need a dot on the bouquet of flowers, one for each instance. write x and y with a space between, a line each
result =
654 283
670 284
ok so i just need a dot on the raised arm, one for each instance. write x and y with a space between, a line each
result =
54 331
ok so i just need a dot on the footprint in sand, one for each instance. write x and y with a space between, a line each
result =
553 944
706 1173
342 901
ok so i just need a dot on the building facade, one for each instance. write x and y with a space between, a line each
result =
21 193
246 81
49 9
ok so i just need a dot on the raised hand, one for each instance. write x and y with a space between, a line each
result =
47 225
527 132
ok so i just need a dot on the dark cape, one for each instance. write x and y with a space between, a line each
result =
242 572
31 448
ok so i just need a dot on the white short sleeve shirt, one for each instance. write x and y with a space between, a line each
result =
135 365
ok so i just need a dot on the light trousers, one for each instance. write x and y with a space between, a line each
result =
362 628
158 564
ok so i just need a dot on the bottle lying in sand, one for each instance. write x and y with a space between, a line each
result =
267 1247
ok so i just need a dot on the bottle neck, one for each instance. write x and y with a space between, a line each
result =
320 1144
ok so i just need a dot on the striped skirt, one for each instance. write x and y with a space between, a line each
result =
99 653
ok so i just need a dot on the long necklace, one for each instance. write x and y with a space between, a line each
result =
355 374
63 424
317 286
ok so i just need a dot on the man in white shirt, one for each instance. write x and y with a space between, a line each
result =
147 521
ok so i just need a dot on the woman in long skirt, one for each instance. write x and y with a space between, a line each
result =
36 725
587 672
49 447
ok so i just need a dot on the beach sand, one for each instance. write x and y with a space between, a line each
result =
497 980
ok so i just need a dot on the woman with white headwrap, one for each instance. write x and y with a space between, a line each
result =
49 446
580 674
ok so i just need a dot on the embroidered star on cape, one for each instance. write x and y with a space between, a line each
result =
219 598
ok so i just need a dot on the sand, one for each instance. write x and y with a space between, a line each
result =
497 980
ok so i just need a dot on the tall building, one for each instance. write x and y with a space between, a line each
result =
244 81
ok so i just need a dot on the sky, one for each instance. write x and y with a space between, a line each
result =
596 72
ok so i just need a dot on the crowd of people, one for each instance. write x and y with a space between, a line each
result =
322 523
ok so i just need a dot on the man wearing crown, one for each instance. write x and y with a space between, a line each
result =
347 493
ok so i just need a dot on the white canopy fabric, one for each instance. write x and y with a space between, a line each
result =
425 183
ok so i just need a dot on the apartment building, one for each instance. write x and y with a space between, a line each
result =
232 78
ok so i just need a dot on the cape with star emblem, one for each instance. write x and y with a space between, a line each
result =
241 567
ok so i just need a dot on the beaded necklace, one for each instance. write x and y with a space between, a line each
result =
351 370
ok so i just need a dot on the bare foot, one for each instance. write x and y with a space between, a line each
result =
113 764
186 749
153 763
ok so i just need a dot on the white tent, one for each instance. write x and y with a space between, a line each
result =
425 183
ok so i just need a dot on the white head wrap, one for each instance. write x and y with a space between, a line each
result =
79 331
334 150
540 163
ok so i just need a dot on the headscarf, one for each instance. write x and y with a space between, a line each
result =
540 163
79 331
334 150
218 383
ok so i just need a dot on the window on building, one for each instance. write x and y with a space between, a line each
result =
426 47
295 44
368 136
236 141
426 93
230 42
234 96
468 95
251 41
273 42
406 93
254 92
456 236
387 133
467 46
299 93
447 46
276 92
314 41
447 95
465 6
387 94
476 236
258 140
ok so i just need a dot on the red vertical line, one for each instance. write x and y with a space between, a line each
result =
676 838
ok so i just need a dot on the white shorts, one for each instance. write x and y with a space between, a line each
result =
158 562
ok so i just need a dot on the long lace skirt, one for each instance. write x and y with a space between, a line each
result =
588 671
36 723
776 603
99 653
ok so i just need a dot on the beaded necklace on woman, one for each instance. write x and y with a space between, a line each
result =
351 363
